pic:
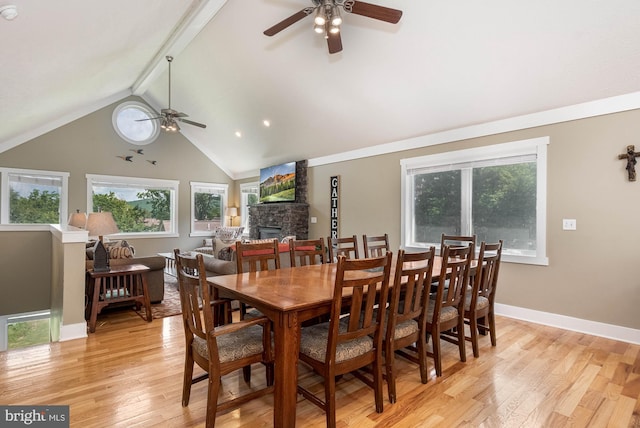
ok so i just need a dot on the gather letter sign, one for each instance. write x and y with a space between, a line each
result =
335 182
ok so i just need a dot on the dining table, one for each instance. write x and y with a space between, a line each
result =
288 297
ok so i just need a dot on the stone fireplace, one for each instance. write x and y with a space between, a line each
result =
280 219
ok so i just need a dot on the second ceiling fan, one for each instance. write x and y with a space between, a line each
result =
327 19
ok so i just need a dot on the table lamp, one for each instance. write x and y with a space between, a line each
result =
99 224
232 212
78 219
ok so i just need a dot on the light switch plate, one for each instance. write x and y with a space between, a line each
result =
569 224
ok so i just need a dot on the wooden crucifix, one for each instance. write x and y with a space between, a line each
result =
631 156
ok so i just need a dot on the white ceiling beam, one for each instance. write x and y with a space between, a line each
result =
194 20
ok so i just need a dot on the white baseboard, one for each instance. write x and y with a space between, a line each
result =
594 328
73 331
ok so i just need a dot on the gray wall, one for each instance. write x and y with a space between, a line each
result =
90 146
592 272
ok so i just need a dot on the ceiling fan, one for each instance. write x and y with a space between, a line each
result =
168 116
327 19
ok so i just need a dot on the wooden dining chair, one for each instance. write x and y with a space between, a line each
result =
445 312
346 344
217 350
375 246
405 332
479 301
458 241
255 257
347 246
307 252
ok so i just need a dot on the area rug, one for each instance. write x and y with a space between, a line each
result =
170 305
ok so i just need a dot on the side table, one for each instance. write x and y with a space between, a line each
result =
170 263
125 283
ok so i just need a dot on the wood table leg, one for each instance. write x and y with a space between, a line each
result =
97 284
287 346
145 292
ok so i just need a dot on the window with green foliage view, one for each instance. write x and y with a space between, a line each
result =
494 192
33 197
138 206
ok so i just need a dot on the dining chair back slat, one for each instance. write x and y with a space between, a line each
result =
259 256
307 252
375 246
458 241
347 247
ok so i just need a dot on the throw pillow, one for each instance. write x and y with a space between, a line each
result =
120 253
225 254
286 239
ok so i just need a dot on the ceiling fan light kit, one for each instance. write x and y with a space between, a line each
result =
327 18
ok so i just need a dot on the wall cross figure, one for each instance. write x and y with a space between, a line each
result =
630 157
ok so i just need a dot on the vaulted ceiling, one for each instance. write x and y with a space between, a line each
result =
445 65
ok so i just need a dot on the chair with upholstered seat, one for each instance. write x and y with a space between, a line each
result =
217 350
307 252
375 246
346 344
458 241
446 311
479 301
347 246
406 315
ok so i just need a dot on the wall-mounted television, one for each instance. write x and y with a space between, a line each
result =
278 183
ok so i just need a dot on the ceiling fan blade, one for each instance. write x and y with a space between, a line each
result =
375 11
190 122
149 118
334 41
289 21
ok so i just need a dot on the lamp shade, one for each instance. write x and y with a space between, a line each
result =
232 211
100 224
78 219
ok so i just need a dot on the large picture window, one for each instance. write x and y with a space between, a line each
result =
495 192
31 197
140 206
208 203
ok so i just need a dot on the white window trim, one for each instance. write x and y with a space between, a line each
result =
147 182
4 202
244 208
144 109
222 189
537 146
5 320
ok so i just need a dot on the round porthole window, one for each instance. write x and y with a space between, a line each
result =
130 120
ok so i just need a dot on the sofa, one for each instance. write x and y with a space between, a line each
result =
220 259
119 256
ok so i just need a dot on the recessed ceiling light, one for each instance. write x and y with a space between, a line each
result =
9 12
266 123
238 134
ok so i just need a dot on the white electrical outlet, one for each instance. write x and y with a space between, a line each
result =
569 224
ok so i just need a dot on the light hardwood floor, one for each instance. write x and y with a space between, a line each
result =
129 374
